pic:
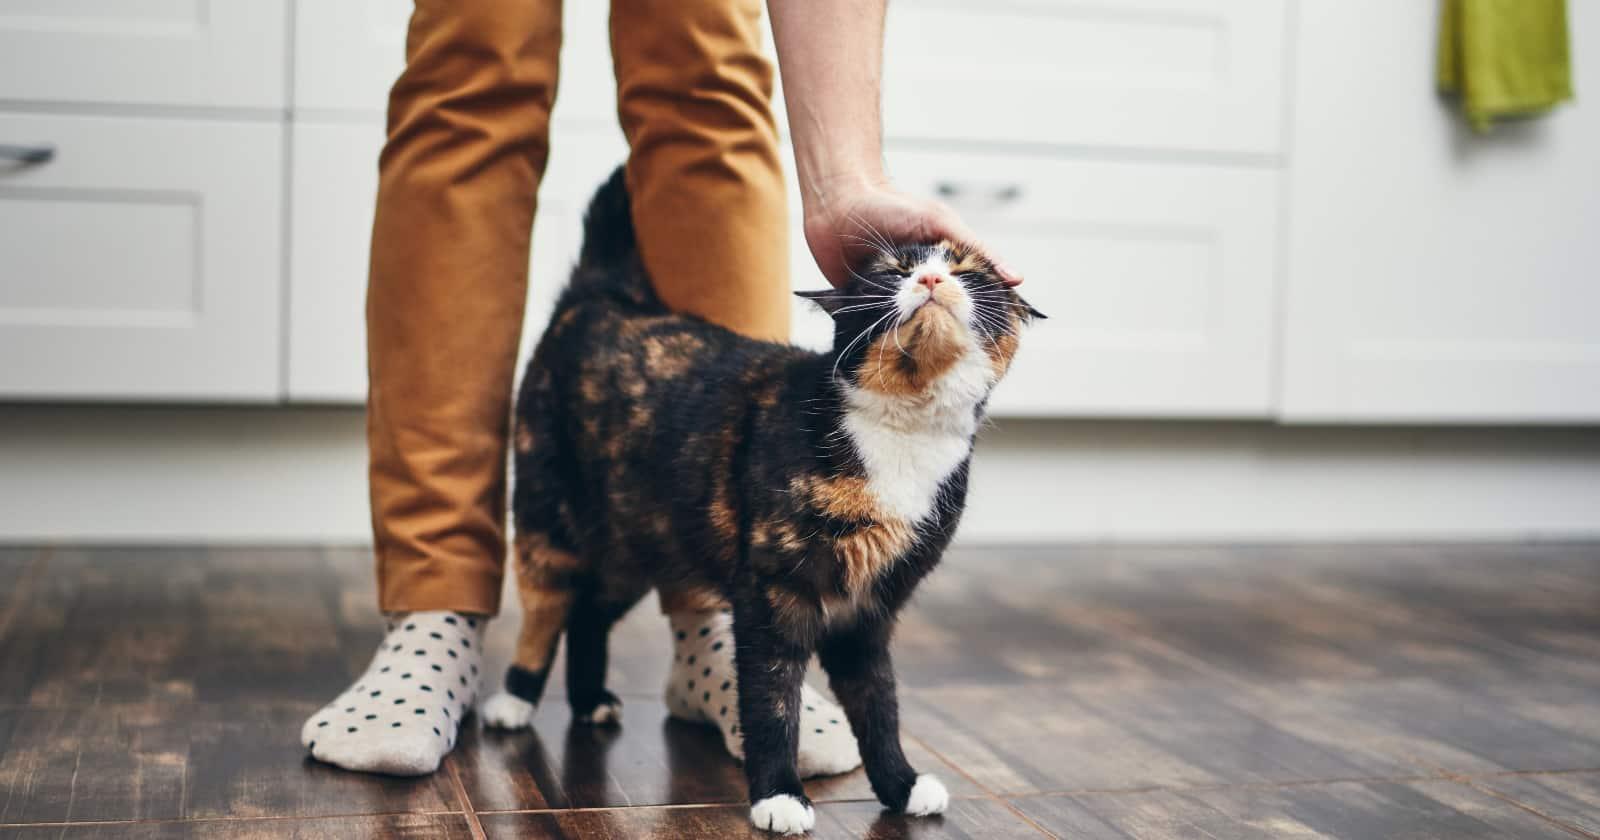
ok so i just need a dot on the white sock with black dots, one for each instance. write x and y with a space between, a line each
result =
404 713
703 687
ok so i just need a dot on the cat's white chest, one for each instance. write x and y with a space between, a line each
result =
909 447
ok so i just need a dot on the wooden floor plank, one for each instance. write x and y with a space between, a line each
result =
649 760
171 761
389 827
1343 811
967 819
175 625
1569 798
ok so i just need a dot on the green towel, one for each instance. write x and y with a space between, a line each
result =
1504 58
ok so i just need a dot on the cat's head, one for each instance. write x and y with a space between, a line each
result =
917 312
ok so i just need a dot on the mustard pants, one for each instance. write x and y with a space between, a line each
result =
468 138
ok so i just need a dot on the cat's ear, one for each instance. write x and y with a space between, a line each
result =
830 300
1032 313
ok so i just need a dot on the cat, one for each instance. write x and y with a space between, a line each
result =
810 490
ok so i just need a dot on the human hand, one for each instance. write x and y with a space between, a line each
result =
840 231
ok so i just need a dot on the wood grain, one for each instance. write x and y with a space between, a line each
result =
388 827
1329 691
649 760
1435 810
1570 798
967 818
159 761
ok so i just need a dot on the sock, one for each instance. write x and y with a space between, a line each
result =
703 688
403 714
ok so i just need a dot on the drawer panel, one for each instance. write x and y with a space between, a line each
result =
225 53
1188 75
142 262
1158 279
1192 75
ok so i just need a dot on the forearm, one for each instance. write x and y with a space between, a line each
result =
831 56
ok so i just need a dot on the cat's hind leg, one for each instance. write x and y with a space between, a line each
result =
548 563
588 633
545 577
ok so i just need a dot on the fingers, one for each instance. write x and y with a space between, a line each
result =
948 225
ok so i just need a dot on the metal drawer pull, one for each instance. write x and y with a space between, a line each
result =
27 154
1001 194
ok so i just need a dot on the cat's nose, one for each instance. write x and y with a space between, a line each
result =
930 280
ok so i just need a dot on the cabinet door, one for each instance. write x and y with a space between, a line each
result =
1157 279
1435 275
333 186
143 262
223 53
1193 75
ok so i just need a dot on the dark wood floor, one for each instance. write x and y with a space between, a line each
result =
1351 692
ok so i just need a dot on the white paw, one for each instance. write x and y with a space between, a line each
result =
605 714
507 711
928 796
783 814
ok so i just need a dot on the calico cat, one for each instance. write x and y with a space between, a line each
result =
812 491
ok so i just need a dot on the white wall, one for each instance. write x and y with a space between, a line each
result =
102 474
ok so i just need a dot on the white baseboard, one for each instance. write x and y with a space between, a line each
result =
106 474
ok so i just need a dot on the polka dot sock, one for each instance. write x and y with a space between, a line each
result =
703 688
403 714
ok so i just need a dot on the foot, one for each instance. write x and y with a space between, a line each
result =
606 711
504 710
783 814
403 714
928 797
703 688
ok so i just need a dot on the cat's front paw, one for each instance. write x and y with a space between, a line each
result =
507 711
928 796
607 711
783 814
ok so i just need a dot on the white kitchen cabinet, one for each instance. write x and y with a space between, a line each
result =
143 262
1176 75
1435 275
221 53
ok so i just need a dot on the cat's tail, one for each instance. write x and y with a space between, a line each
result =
609 262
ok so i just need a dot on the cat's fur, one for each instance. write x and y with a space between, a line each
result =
812 491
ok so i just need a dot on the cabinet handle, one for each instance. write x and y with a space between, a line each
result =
27 154
998 194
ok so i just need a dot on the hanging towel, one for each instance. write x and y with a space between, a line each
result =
1504 58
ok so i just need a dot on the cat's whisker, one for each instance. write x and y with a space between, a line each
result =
848 347
877 234
858 307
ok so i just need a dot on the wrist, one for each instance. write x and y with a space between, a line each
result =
822 193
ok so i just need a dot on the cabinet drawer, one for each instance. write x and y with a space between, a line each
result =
348 55
143 262
223 53
1200 75
1157 279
